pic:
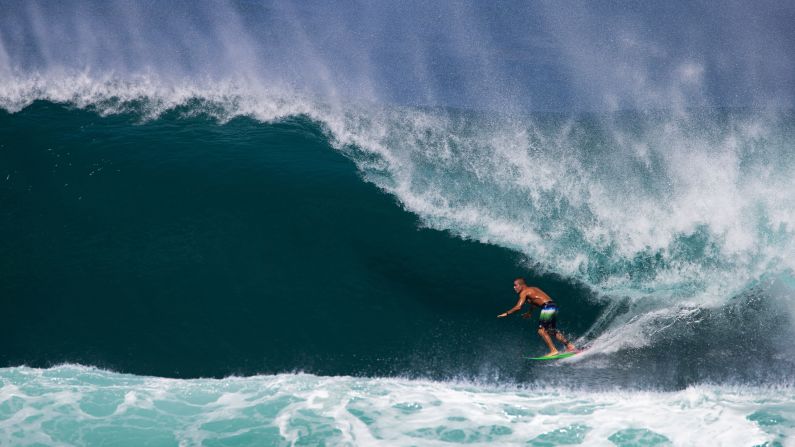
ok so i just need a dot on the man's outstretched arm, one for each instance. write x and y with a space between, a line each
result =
513 309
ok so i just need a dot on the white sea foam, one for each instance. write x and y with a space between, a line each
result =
74 405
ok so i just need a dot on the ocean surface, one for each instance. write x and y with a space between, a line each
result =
190 257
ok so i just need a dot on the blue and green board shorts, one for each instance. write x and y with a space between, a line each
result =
549 317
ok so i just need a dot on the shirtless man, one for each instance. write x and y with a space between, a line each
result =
547 318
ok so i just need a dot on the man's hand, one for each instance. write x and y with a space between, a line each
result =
504 314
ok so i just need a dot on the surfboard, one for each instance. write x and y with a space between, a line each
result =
560 355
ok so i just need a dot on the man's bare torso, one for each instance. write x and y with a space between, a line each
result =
535 296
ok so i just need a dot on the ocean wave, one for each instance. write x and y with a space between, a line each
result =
655 207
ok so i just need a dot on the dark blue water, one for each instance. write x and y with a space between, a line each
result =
184 248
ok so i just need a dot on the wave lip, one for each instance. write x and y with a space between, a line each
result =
76 405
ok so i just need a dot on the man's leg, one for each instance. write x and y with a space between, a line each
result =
569 346
543 333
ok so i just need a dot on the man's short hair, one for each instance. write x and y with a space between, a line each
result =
520 279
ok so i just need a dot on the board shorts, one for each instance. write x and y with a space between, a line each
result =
548 318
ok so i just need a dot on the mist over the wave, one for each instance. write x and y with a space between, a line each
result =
506 56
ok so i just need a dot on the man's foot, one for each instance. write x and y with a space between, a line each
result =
570 348
555 352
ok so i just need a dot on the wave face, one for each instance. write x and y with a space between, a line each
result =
41 407
153 247
177 233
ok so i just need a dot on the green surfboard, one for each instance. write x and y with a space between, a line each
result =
560 355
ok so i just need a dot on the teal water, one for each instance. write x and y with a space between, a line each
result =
186 248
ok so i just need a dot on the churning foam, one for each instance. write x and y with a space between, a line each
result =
74 405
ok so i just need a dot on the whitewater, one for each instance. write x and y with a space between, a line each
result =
73 405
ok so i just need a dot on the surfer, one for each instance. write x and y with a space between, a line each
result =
547 318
